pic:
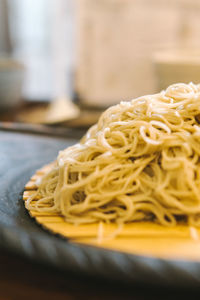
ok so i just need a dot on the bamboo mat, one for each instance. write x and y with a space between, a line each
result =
142 238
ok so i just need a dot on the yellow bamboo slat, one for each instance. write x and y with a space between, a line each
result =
35 177
56 219
27 194
44 169
34 204
42 214
31 185
144 238
166 247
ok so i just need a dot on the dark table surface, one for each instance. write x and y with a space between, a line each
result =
23 279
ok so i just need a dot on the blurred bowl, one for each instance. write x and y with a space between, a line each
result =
11 80
177 66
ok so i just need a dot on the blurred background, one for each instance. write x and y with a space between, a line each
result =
64 61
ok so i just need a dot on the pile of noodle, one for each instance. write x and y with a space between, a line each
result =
141 161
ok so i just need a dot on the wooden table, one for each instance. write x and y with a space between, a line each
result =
22 279
28 111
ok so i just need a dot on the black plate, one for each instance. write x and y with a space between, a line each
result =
20 156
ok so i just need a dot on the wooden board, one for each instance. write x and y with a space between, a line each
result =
143 238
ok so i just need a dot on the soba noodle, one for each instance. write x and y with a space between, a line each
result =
141 161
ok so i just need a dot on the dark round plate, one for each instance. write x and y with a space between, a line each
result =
20 156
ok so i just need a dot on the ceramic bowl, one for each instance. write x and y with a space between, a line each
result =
177 66
11 81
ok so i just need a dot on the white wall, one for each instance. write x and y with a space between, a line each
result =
41 34
118 39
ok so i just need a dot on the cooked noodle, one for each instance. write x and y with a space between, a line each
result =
141 161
